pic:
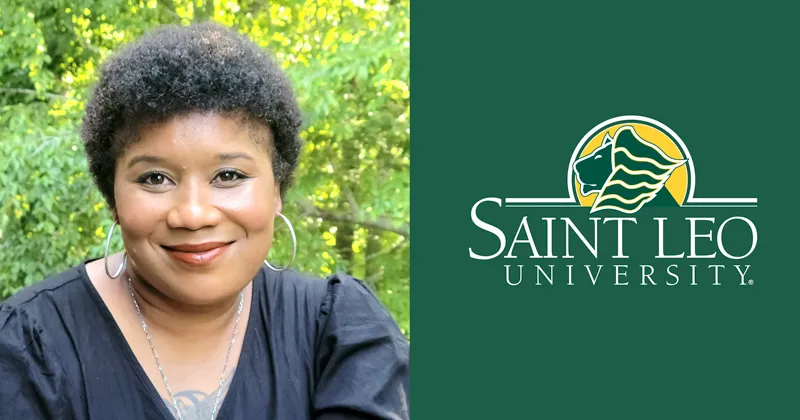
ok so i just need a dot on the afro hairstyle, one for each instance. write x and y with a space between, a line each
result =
173 70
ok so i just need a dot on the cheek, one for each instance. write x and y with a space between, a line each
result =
250 207
141 215
138 211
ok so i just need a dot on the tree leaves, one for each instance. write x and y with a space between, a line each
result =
349 64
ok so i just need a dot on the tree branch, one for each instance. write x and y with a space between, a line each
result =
375 277
394 247
33 92
313 211
169 7
352 200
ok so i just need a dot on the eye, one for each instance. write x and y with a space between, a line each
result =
598 157
229 175
153 178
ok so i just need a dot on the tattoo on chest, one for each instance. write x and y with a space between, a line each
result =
197 405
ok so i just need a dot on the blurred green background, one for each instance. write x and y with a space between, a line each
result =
349 62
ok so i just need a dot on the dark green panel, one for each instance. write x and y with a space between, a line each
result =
502 95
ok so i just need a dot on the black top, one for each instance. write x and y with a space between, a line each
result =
312 349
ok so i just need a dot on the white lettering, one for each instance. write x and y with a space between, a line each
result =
661 240
752 245
693 235
489 228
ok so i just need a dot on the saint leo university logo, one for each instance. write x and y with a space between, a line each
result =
629 162
621 166
626 171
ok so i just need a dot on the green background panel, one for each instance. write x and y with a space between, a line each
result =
502 93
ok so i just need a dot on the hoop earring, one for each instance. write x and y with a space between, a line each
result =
294 246
105 256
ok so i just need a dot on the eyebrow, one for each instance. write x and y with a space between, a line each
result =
222 157
145 158
232 156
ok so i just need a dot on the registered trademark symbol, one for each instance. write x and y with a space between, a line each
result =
750 282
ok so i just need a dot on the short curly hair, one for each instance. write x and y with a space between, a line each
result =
173 70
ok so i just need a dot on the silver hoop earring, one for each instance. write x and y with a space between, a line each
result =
294 245
105 256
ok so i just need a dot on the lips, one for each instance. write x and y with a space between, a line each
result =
197 254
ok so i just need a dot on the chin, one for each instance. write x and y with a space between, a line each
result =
199 292
207 298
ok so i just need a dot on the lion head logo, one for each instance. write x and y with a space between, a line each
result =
627 172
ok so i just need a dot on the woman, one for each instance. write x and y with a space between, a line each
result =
192 137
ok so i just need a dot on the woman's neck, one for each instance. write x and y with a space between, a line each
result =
183 322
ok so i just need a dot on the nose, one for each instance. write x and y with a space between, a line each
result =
193 207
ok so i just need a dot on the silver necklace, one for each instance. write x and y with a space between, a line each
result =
161 369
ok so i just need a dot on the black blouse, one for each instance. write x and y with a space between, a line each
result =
313 349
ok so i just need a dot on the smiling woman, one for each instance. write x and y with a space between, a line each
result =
192 137
186 174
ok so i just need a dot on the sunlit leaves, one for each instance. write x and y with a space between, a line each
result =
349 63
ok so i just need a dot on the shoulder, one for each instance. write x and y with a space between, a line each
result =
337 305
348 296
336 298
362 357
56 289
31 323
293 285
351 311
34 318
31 331
30 312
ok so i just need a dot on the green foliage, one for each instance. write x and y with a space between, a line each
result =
350 67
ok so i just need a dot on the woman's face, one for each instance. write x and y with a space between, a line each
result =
196 201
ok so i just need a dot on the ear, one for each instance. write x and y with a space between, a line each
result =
278 201
607 139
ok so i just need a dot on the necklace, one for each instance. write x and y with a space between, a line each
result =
158 362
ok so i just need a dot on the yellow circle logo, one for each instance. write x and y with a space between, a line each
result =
627 163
